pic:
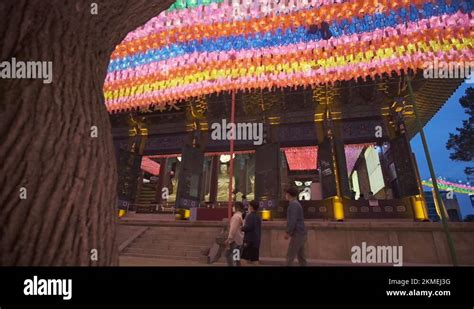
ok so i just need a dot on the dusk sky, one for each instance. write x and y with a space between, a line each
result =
437 132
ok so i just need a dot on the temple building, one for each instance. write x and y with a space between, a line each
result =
320 95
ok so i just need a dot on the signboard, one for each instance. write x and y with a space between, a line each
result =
326 166
128 175
361 131
267 176
167 143
190 176
342 168
297 135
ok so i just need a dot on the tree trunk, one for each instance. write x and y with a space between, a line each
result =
45 130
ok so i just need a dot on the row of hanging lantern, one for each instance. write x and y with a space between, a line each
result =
144 72
226 11
261 30
450 186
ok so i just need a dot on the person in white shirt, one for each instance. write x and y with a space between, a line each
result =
236 236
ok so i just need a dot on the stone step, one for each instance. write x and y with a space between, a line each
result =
167 246
183 235
164 235
175 235
163 252
173 238
148 188
147 193
170 245
182 230
167 257
175 242
184 227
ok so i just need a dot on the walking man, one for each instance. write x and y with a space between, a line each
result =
296 231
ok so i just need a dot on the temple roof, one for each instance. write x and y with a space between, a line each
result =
429 99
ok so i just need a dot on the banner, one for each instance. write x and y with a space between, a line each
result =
342 167
326 168
190 178
128 176
404 167
267 176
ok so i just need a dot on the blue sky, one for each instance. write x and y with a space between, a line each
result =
437 132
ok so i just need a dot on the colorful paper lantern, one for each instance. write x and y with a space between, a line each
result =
450 186
201 47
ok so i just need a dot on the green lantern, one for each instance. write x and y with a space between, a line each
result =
192 3
180 4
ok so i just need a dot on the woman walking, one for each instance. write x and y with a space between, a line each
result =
252 231
235 238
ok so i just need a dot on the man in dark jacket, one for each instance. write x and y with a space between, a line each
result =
252 231
296 230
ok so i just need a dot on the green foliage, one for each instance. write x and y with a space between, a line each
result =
462 143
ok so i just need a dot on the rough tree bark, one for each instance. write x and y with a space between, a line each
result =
45 130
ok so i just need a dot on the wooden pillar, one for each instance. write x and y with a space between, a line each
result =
214 179
161 180
242 175
284 176
385 172
141 147
408 175
335 154
137 140
363 176
205 178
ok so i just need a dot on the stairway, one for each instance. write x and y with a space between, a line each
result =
172 242
147 194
